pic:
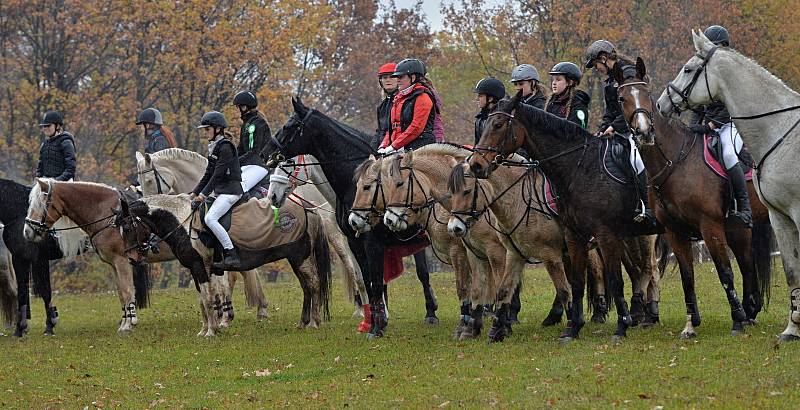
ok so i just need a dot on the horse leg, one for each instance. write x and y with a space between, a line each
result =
501 326
609 246
306 280
653 294
577 247
373 250
476 298
225 290
555 268
714 237
740 242
464 264
631 261
41 274
599 302
22 267
421 263
684 254
786 232
123 271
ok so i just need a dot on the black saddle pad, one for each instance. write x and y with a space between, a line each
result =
715 148
615 157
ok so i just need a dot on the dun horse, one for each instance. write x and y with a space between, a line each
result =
769 128
691 201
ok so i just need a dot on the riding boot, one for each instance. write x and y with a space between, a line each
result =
741 214
230 260
644 216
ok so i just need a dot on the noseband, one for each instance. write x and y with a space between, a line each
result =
638 110
508 136
41 226
408 202
159 179
686 91
372 211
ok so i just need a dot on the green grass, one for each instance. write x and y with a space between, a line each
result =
270 363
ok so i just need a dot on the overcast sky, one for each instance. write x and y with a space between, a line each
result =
431 9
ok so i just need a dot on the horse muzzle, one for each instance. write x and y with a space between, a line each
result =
34 231
394 220
358 221
456 227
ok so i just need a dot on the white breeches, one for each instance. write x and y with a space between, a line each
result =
731 144
220 206
251 175
636 158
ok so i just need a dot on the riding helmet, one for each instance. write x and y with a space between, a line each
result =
387 69
410 66
150 115
718 35
594 50
52 117
567 69
245 98
213 119
525 72
491 86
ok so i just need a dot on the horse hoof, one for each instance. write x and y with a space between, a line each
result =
598 319
549 321
687 335
49 332
431 320
457 332
785 338
373 336
209 334
751 322
224 324
565 340
617 339
201 333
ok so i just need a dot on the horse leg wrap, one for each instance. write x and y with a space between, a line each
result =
794 305
52 315
227 307
218 307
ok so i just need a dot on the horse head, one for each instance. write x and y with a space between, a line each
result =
636 102
43 210
134 230
502 136
407 194
467 204
369 201
688 90
291 139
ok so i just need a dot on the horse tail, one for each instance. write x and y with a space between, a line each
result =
322 258
141 284
762 248
662 254
252 288
8 289
40 273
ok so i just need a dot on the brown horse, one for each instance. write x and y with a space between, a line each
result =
592 203
477 260
691 201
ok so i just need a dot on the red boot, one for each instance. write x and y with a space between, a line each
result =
365 324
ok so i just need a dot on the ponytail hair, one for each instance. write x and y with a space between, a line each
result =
539 88
169 136
227 134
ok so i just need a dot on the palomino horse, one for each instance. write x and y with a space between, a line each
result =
690 200
91 206
8 287
297 236
767 126
591 202
339 149
478 260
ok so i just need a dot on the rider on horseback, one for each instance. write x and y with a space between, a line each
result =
253 136
57 153
157 137
567 101
415 110
525 77
223 177
389 86
489 92
602 56
715 117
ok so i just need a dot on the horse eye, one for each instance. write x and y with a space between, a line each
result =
687 70
367 187
497 125
467 192
399 184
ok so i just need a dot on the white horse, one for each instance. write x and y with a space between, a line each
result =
769 127
301 179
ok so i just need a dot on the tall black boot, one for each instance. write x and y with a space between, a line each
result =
230 260
741 213
644 216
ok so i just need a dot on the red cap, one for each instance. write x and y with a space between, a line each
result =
387 68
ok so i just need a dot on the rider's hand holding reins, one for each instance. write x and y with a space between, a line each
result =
607 133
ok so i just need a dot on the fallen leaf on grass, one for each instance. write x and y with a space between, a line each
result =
263 373
445 404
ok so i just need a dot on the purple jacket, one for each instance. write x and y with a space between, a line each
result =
438 128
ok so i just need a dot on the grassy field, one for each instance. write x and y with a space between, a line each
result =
270 363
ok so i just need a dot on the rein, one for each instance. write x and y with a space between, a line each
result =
159 179
41 226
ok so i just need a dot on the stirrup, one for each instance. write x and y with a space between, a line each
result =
641 216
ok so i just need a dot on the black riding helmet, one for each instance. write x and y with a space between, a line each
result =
245 98
52 117
718 35
594 50
149 115
491 86
410 66
213 119
567 69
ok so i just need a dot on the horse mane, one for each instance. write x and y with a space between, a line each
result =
443 148
362 169
71 240
754 62
176 154
343 130
15 195
546 122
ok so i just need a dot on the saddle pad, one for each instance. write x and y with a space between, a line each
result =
616 165
548 192
711 160
254 226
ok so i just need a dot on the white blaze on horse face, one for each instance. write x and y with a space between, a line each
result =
642 123
279 189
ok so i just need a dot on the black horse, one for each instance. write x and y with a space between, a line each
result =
594 204
340 150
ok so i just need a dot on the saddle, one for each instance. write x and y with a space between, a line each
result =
712 156
549 194
615 156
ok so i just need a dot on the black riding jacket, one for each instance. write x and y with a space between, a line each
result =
613 112
558 107
253 137
57 158
383 112
223 174
715 112
536 99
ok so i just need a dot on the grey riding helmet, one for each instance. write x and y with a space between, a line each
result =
594 50
525 72
150 115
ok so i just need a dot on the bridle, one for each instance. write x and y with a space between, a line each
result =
41 226
159 179
372 210
278 156
509 136
408 202
686 91
638 110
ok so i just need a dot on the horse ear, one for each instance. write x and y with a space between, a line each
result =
516 100
371 157
42 183
641 70
139 157
408 158
698 39
616 73
147 159
298 106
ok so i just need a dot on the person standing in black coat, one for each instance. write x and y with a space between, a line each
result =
253 137
57 152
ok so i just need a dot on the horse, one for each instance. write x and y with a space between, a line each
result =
691 200
170 217
340 149
592 203
29 260
766 126
8 286
477 260
86 208
175 171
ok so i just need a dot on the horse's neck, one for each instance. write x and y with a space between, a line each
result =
187 174
84 204
505 208
561 169
435 172
11 206
670 139
748 89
